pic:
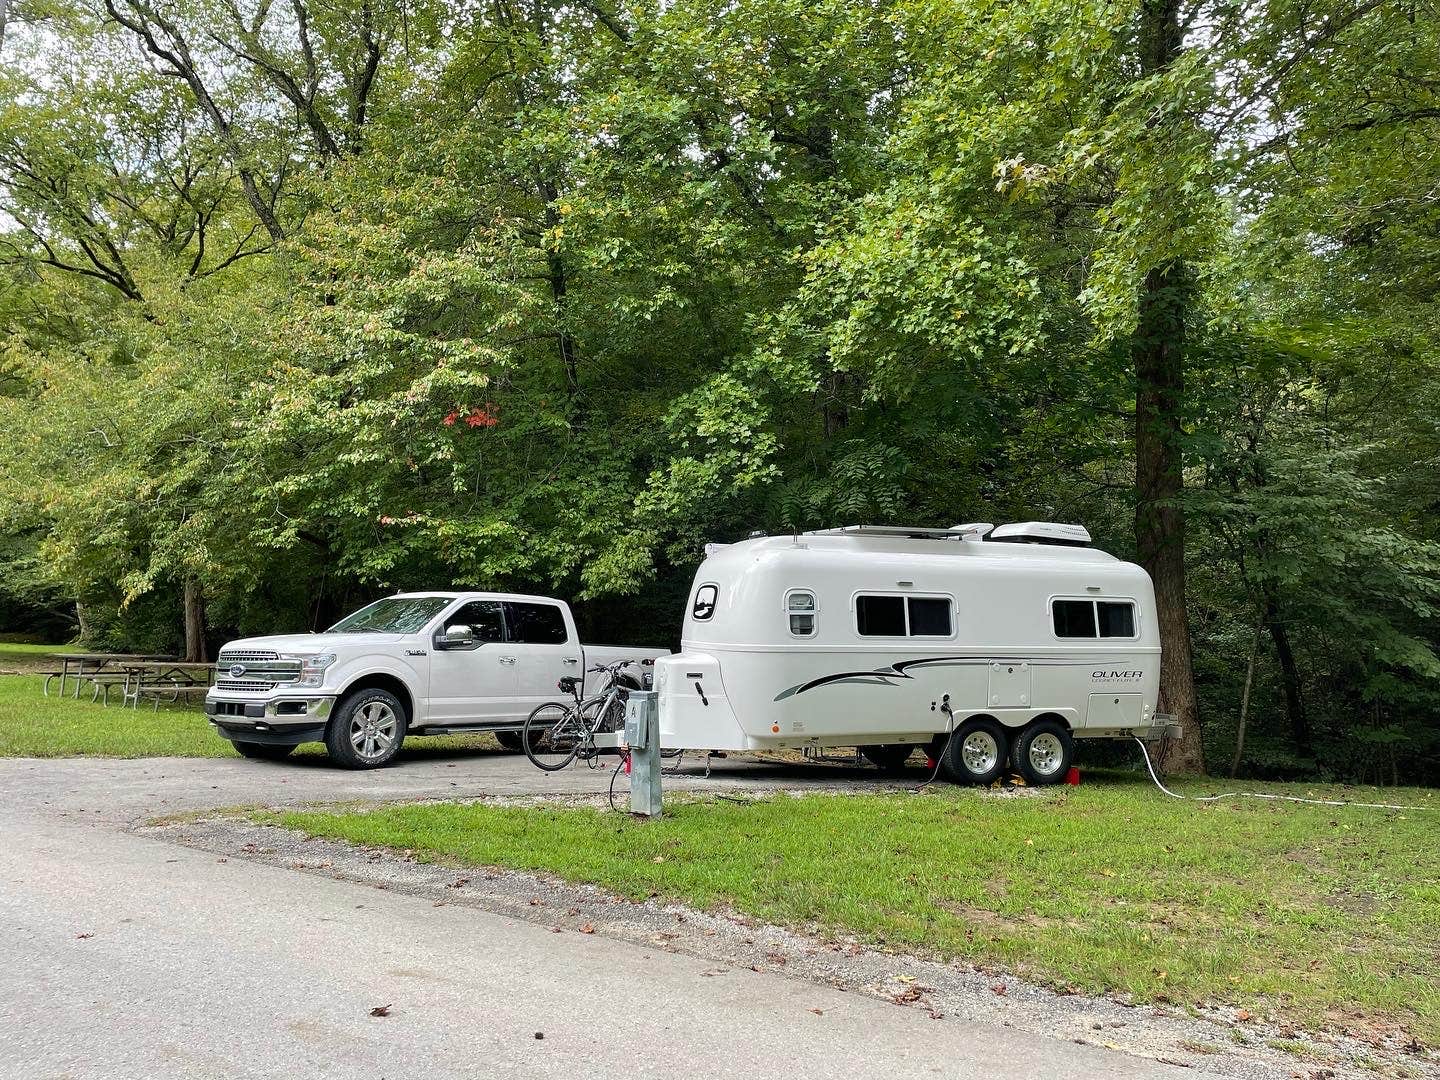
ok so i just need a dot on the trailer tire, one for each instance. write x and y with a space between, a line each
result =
977 752
891 757
367 730
510 740
1043 752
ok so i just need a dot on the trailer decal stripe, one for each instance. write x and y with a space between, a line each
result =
881 676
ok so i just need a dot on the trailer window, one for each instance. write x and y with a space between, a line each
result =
800 611
1073 618
1093 618
704 605
903 616
929 616
1116 619
880 616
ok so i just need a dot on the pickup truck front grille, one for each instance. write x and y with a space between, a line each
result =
248 686
253 671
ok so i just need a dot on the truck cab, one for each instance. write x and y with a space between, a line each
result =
422 663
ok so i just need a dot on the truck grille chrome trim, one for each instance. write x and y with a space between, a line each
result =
240 656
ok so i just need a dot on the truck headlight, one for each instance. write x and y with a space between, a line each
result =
312 667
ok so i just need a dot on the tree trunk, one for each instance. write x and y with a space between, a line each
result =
195 651
82 620
1289 677
1245 699
1159 353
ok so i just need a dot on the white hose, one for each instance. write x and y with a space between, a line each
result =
1276 798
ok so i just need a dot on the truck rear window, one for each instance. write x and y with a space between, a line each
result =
534 624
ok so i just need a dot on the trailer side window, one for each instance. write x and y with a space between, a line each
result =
903 616
704 605
880 616
929 616
1073 618
1093 618
800 610
1116 619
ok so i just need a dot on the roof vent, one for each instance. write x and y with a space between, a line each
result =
972 530
1042 532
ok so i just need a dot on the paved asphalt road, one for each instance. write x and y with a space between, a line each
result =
124 956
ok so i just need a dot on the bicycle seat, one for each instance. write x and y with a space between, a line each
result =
568 683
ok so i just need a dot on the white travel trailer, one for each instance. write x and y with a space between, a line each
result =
986 646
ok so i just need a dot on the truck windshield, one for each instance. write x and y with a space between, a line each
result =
393 615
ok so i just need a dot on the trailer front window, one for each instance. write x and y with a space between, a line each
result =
800 610
704 605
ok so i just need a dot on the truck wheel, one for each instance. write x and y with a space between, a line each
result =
367 730
510 740
888 756
976 753
1043 751
264 751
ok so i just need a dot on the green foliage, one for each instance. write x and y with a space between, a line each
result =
302 304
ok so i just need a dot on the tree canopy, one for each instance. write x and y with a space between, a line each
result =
303 301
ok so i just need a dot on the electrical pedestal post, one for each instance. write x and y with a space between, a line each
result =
642 735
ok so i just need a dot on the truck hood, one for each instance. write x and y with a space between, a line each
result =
310 643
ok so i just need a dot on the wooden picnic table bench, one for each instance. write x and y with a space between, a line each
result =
83 666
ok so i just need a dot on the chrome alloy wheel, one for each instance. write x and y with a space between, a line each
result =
373 728
980 752
1046 754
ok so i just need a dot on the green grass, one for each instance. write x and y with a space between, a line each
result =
33 725
1321 915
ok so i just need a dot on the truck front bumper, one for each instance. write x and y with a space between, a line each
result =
277 721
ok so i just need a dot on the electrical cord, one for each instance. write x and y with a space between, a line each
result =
624 757
1275 798
949 733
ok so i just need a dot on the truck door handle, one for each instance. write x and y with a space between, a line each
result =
572 660
507 659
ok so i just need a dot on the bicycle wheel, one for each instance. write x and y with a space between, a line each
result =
551 736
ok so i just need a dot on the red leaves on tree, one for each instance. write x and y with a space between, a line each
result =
487 416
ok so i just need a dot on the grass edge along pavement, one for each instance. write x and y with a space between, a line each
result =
1323 916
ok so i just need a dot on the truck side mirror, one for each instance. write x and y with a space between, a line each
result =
455 637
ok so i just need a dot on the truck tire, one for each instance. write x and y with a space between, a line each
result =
510 740
367 729
977 752
1043 751
890 757
263 751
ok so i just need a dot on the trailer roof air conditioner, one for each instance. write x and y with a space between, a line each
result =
1042 532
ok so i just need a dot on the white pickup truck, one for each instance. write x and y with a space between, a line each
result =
427 663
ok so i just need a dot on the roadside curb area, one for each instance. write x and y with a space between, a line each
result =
1218 1041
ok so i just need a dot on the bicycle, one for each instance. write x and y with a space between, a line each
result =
557 733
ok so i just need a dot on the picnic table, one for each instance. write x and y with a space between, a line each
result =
83 666
172 678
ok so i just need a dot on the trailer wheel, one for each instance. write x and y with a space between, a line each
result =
888 756
1043 752
976 753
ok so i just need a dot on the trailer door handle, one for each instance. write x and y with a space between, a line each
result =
507 659
571 660
701 691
